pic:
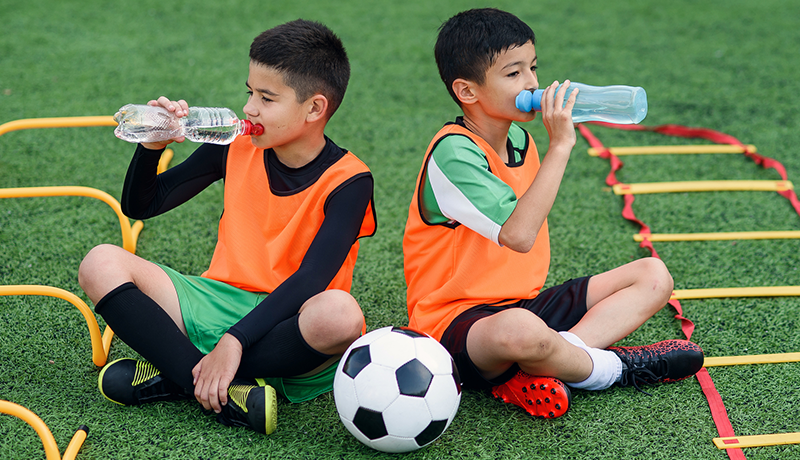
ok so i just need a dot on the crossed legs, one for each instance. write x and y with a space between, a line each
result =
328 321
618 302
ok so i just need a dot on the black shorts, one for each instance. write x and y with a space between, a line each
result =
560 307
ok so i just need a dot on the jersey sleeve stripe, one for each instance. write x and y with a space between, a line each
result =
452 202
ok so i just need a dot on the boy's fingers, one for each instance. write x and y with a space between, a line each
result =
223 393
573 96
183 107
213 398
560 94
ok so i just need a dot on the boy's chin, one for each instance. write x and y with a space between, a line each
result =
258 142
524 117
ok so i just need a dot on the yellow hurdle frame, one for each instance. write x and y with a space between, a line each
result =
101 344
48 441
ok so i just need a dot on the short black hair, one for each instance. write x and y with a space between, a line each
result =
470 41
311 58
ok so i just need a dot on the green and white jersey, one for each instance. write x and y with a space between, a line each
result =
459 187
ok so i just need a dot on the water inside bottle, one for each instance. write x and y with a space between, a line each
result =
614 104
136 125
216 126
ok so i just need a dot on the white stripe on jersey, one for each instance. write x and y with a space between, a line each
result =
455 206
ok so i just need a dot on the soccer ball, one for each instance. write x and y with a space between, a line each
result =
396 390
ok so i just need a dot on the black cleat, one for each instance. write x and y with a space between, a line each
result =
662 362
130 382
251 406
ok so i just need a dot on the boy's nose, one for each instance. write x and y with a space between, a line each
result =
532 82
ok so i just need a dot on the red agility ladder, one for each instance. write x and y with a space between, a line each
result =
726 144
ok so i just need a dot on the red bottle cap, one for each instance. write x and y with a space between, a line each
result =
251 129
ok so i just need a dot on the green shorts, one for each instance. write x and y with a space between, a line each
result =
210 307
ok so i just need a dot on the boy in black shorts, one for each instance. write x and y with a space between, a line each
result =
476 245
273 310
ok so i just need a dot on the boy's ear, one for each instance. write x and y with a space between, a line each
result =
463 89
317 108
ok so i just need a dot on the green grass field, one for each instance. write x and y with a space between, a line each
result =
731 66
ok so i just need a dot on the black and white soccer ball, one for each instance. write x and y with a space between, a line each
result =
396 389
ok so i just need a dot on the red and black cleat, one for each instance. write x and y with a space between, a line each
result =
662 362
544 397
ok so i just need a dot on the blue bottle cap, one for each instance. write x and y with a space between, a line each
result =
529 100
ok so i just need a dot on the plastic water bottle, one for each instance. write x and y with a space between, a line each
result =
215 125
619 104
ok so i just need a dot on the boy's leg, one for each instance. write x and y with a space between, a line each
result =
516 338
307 343
516 335
622 299
330 321
138 301
618 302
107 267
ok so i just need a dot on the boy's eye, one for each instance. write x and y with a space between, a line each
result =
513 74
534 68
265 99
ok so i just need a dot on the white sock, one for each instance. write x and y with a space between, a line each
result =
606 365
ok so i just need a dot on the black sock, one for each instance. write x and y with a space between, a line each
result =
281 353
139 322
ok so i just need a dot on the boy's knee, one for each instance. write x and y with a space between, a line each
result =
94 264
659 277
523 336
347 313
333 316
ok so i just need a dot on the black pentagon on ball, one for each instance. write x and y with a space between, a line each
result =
431 432
413 378
370 423
357 360
408 331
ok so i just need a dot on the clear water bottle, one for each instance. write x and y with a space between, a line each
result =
214 125
619 104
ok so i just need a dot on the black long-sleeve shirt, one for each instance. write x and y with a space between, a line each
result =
147 194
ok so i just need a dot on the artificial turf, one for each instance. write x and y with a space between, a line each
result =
725 65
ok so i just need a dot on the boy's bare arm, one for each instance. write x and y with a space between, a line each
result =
519 232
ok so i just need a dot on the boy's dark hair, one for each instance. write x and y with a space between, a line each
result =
310 56
470 41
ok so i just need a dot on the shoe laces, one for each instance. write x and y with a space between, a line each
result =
637 371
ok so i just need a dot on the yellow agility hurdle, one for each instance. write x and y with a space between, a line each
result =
736 442
721 236
763 291
760 440
59 122
48 441
100 344
704 186
773 358
130 233
673 149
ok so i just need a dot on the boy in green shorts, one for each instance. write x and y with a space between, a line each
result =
476 245
273 310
